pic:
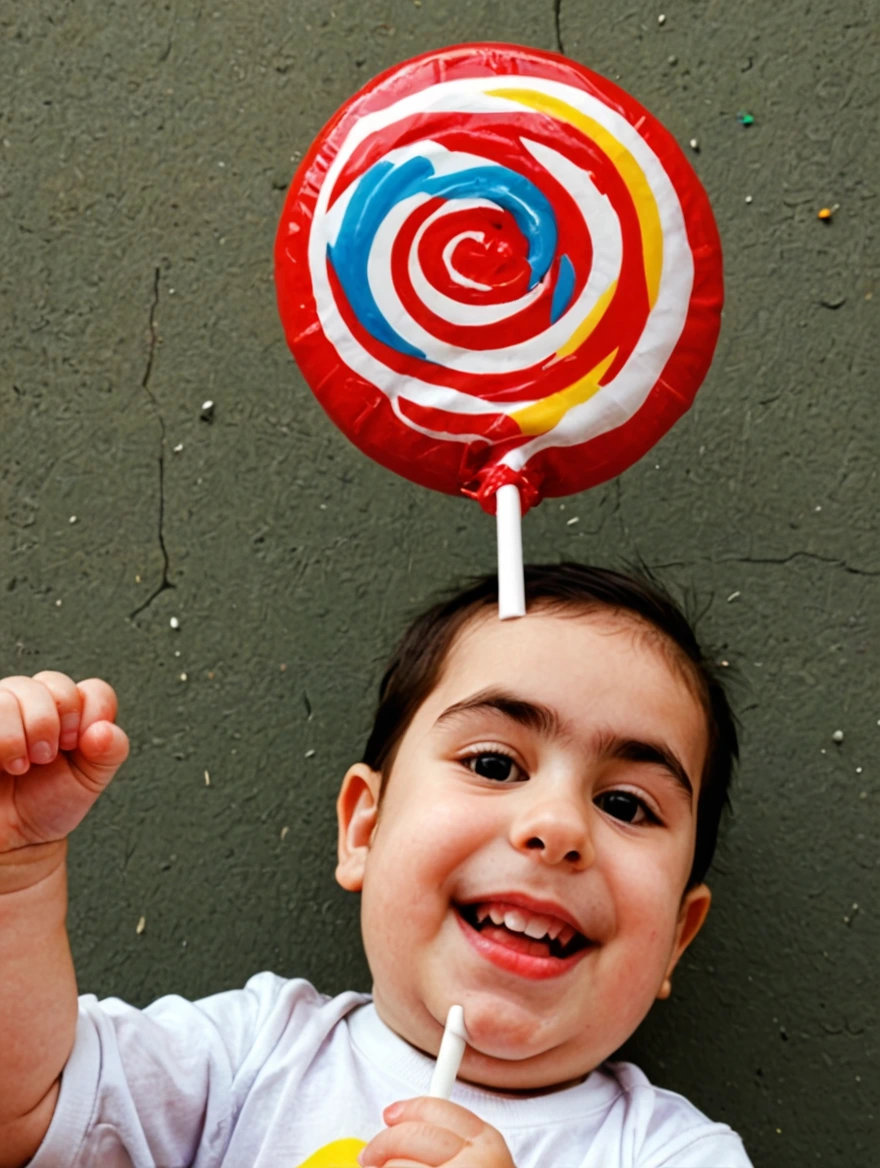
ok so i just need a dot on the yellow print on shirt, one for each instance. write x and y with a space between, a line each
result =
339 1154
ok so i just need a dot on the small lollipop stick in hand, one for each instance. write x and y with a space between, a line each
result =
511 583
451 1052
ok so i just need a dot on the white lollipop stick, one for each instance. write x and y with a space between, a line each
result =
451 1050
511 584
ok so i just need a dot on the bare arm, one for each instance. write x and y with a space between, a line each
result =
38 1000
59 748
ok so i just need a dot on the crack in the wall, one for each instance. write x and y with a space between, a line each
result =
835 563
853 571
557 20
164 583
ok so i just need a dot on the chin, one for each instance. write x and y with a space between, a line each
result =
521 1076
506 1030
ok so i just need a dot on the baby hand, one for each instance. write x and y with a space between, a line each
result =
430 1133
59 748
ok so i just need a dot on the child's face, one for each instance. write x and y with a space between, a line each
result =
520 776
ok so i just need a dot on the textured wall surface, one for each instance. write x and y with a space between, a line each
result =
144 154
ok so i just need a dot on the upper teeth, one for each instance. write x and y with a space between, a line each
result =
533 925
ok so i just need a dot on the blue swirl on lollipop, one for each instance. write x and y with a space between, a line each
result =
387 183
563 290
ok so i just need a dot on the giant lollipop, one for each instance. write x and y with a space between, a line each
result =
500 277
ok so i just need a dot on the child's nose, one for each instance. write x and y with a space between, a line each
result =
556 831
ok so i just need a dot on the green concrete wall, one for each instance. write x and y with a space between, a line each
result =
144 154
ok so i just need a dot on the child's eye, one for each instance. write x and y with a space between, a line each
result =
625 806
492 764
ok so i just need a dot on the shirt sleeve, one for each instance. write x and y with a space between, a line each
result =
162 1087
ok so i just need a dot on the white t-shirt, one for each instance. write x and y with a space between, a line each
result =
278 1075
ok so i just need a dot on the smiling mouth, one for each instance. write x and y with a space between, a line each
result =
565 944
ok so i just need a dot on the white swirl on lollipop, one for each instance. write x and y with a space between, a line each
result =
622 396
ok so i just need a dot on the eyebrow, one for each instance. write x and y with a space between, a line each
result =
651 753
532 715
545 721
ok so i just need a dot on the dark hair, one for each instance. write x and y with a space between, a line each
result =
415 668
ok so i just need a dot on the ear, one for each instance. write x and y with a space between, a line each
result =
357 810
693 912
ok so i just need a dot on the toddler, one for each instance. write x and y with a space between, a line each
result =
530 830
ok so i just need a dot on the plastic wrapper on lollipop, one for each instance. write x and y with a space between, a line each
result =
495 268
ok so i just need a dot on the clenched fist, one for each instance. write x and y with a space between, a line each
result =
59 748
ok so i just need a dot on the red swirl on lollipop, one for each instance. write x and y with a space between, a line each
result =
500 276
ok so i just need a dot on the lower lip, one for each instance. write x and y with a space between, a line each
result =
522 964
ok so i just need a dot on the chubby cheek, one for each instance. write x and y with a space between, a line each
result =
633 990
646 901
413 862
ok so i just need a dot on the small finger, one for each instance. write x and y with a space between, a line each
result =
101 750
13 744
425 1143
439 1112
39 717
404 1164
400 1163
99 702
68 702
